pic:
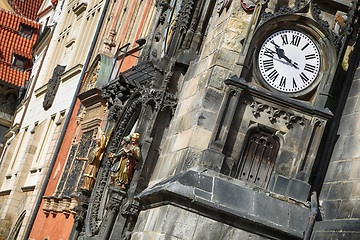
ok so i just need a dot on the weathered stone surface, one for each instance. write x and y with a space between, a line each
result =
339 171
223 198
281 185
212 100
229 194
218 76
298 190
340 190
207 119
331 208
345 210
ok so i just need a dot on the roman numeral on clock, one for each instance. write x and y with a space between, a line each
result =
269 53
304 78
282 81
294 83
310 56
295 40
309 68
273 42
273 75
305 47
268 64
284 39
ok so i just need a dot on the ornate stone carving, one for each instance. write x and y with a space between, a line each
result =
275 113
110 40
222 4
161 98
184 16
162 3
116 93
81 210
53 86
117 197
346 30
299 5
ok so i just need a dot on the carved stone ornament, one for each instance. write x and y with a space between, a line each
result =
222 4
110 40
275 113
53 86
162 3
337 37
116 93
299 5
182 21
161 98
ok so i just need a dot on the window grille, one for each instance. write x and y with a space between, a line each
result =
258 157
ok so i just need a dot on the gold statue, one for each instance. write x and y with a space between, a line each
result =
94 159
125 161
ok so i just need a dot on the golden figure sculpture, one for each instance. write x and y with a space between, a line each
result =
128 155
94 159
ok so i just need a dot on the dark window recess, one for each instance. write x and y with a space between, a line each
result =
19 62
26 31
258 158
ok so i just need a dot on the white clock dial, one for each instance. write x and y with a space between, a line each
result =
289 61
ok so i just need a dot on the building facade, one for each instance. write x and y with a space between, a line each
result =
18 33
114 47
60 54
246 114
237 104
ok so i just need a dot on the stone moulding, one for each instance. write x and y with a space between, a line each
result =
227 200
55 205
275 113
240 83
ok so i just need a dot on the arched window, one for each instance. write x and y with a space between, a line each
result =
258 157
16 229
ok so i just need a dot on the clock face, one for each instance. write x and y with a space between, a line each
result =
289 61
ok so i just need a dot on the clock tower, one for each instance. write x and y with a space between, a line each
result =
233 102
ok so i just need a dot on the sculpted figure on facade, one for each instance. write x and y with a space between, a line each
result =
125 160
94 159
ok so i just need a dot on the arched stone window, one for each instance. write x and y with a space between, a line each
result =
16 229
258 157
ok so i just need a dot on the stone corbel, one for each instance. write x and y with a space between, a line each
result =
73 204
55 205
46 206
66 206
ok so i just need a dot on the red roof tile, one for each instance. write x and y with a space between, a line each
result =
27 8
14 42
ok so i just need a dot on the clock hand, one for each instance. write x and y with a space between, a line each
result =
281 54
284 62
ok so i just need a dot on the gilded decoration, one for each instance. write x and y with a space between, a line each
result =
93 159
124 162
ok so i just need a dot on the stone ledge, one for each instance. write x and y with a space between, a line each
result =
338 225
5 192
285 101
216 196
